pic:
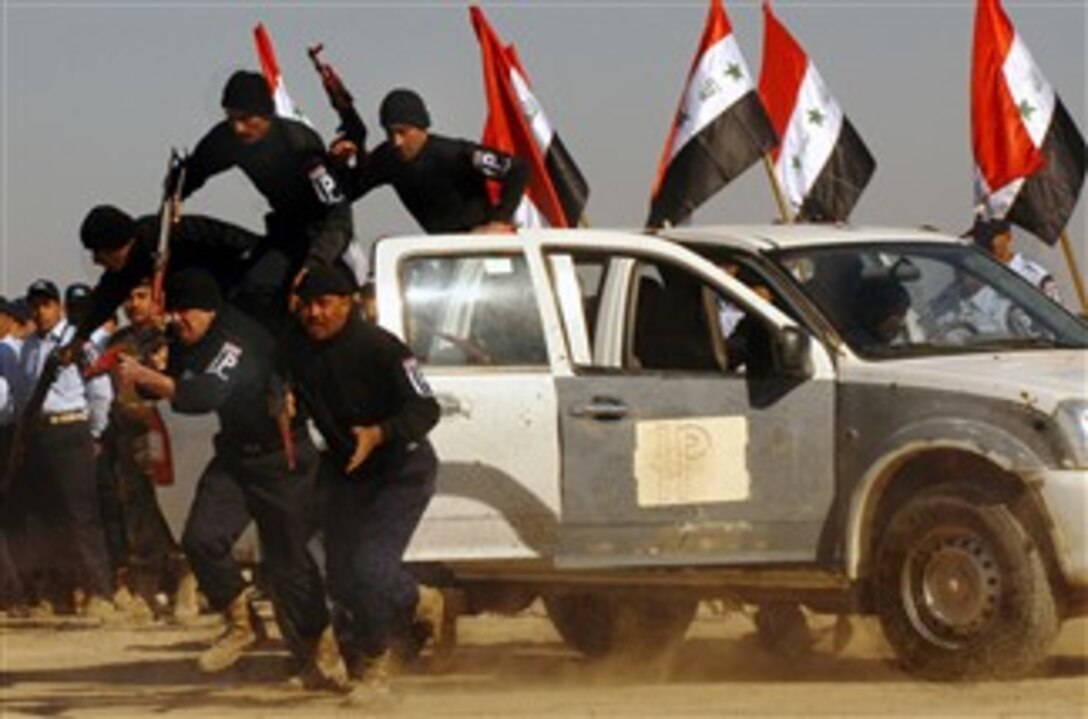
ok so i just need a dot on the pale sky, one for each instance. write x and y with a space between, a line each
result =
94 94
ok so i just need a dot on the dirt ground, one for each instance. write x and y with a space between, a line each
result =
513 666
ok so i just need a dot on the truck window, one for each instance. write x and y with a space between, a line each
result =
672 322
478 310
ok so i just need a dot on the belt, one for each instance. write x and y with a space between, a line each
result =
57 418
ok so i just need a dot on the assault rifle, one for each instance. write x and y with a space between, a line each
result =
141 344
351 125
283 412
172 187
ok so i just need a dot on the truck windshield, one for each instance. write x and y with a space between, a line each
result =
917 298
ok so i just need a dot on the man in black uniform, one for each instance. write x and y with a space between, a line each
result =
372 405
310 222
126 247
442 181
222 362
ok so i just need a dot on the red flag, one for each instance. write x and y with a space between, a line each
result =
516 124
820 161
270 68
720 128
1003 148
1030 157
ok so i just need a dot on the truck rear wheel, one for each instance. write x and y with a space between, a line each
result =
598 625
961 590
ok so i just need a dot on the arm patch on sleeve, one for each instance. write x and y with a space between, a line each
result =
325 185
226 360
416 378
491 164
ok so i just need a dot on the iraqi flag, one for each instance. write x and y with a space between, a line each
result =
270 68
1030 158
821 163
516 124
720 129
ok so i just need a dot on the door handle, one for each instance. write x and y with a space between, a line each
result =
450 405
605 408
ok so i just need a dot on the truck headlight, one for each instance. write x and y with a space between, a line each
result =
1072 418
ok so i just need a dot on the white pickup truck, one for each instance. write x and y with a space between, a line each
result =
852 420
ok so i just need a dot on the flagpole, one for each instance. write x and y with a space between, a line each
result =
1071 261
776 189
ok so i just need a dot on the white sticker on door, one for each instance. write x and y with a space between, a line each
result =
692 461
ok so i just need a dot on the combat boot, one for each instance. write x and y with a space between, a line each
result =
372 683
325 669
435 610
240 634
100 608
186 598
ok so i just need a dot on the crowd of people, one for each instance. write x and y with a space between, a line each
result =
266 331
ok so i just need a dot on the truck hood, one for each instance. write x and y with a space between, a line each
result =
1039 378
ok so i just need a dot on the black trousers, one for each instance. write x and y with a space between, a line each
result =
11 585
264 286
233 491
59 529
368 524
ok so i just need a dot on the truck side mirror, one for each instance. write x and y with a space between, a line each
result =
792 350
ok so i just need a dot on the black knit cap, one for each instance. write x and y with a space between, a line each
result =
106 228
76 293
325 280
248 92
193 289
404 107
878 297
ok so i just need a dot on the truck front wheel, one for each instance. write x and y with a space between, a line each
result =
599 625
961 590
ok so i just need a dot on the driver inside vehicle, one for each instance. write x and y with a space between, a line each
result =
880 312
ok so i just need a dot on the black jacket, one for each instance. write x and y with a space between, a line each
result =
196 241
445 186
289 167
229 372
361 377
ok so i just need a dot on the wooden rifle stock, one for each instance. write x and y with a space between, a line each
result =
173 185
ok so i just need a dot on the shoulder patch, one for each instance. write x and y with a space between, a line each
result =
325 185
416 378
227 359
490 164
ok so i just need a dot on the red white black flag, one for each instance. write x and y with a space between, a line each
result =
270 68
516 123
719 131
1030 158
821 163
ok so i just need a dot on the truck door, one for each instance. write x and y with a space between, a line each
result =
683 440
468 308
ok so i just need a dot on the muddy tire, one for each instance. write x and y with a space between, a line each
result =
961 590
600 625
